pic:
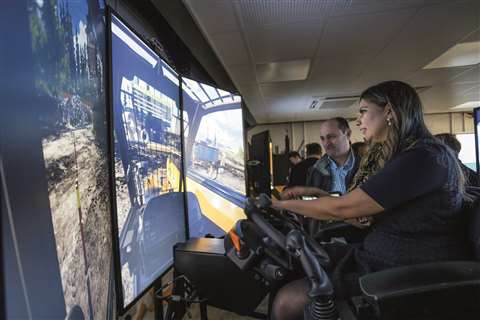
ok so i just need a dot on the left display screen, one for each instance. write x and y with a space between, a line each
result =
147 167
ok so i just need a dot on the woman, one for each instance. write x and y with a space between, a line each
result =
409 182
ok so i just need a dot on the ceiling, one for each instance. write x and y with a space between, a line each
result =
283 55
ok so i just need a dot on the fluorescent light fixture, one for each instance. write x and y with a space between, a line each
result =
283 71
467 105
462 54
133 45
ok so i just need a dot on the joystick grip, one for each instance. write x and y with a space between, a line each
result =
264 201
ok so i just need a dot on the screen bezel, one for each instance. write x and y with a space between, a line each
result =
476 119
121 308
245 145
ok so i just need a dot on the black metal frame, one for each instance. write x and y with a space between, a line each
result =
184 176
476 120
121 308
3 314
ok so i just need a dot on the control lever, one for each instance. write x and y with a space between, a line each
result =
264 201
321 304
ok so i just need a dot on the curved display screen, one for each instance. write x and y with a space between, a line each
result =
147 150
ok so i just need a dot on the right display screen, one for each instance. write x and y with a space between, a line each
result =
214 158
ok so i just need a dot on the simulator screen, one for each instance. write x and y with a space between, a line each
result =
65 70
214 158
467 153
147 149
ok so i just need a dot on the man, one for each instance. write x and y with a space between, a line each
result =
472 178
294 157
298 173
334 172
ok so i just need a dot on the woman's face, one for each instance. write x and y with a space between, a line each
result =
372 121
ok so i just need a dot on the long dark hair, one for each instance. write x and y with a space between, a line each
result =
406 129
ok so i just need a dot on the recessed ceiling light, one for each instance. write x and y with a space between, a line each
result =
462 54
467 105
283 71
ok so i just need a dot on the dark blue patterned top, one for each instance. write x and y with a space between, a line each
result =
423 220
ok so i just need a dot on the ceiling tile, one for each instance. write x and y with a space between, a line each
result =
242 74
424 77
375 6
470 75
283 42
443 97
441 26
284 90
431 32
257 13
474 36
283 71
361 34
337 74
214 15
230 48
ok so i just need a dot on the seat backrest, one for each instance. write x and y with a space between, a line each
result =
474 220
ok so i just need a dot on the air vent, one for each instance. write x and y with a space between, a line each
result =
339 102
315 104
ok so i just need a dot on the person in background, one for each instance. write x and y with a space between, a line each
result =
360 148
298 173
294 157
472 178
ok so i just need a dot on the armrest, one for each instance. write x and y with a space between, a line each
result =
424 289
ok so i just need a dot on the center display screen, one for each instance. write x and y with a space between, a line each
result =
147 161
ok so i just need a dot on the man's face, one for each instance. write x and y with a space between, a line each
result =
335 142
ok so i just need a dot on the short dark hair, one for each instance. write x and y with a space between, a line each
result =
293 154
342 124
357 145
450 140
313 149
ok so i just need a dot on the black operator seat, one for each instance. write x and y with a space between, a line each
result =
442 290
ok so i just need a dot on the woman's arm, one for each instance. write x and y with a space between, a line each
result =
351 205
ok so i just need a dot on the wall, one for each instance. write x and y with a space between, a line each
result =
302 133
